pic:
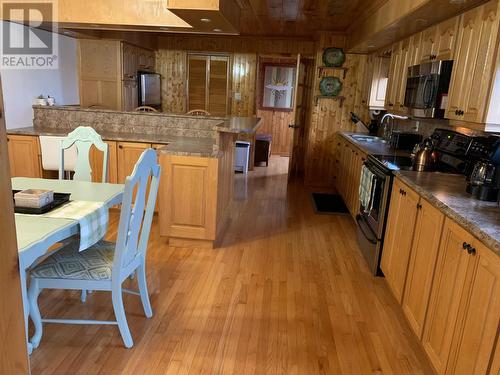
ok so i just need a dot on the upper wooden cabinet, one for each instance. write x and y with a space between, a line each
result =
438 42
108 71
24 156
399 236
394 74
400 89
378 81
474 62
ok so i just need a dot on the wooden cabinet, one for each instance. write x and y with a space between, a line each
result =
400 85
24 156
446 33
476 333
428 43
450 283
349 162
96 163
415 50
130 95
394 74
399 236
108 73
100 73
379 80
473 66
424 251
128 153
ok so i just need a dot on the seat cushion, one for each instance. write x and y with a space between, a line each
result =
95 263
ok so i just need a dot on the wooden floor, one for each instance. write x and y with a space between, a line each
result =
286 293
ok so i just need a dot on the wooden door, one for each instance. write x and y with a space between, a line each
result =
24 156
428 229
302 101
476 100
446 39
399 236
466 50
451 281
394 73
96 163
127 154
197 82
402 76
13 356
428 43
218 85
477 335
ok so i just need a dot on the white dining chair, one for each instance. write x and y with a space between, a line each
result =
50 147
83 138
105 266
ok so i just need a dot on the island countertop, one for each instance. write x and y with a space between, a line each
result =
176 145
447 193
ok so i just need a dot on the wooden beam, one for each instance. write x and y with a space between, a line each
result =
13 348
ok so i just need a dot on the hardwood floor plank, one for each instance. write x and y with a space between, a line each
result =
287 292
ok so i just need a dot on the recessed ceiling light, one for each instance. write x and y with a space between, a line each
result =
205 20
371 46
94 25
164 28
217 30
67 32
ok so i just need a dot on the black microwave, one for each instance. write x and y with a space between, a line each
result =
427 88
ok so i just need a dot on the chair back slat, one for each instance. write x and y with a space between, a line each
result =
137 211
83 138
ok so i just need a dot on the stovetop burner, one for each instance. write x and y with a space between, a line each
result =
394 163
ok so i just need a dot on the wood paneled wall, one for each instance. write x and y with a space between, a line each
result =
243 80
328 117
172 65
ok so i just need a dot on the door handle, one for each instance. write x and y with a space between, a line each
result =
293 126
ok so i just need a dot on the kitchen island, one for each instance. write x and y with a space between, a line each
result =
196 155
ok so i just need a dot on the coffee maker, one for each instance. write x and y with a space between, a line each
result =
483 182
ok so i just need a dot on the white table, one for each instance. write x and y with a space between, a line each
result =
35 235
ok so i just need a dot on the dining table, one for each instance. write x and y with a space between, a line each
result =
36 234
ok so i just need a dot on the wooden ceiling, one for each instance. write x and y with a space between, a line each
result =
304 18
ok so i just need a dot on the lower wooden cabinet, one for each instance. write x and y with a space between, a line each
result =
399 236
96 163
424 251
24 156
450 283
128 153
476 333
349 161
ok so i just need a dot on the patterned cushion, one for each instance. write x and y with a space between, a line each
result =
95 263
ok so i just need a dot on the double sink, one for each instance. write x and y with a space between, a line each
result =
367 138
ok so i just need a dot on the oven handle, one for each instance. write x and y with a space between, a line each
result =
358 220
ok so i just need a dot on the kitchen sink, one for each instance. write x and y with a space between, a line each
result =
367 138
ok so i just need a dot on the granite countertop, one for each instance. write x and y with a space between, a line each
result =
240 125
175 145
447 193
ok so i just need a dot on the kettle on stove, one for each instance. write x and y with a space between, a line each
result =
423 156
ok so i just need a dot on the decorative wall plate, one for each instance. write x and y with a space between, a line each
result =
330 86
334 57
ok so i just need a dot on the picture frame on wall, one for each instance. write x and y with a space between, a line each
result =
277 86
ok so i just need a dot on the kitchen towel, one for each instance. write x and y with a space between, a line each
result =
365 187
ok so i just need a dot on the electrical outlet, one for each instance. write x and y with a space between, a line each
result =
237 96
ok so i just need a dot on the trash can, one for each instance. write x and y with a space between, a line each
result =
241 156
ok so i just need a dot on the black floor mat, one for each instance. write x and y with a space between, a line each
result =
328 204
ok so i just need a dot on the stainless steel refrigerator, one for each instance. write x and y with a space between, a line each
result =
150 90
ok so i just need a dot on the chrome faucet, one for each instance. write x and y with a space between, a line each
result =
388 131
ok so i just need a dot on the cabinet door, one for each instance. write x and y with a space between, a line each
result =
429 39
482 64
96 163
24 156
466 50
150 60
399 236
379 81
415 49
403 74
450 282
428 229
128 154
394 73
446 39
477 337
